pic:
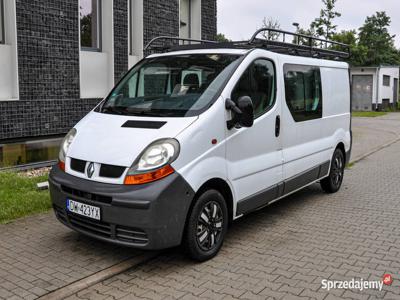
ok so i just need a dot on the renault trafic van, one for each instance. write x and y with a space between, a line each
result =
201 134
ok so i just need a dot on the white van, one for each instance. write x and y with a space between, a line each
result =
200 135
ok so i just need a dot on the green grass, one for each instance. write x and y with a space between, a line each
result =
350 165
368 114
19 196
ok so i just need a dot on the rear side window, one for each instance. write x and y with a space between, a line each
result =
257 82
303 90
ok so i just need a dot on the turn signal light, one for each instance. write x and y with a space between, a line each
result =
149 177
61 165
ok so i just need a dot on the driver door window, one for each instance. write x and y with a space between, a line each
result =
257 82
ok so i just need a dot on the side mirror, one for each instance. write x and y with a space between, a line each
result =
243 112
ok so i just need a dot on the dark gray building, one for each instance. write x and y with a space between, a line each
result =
58 58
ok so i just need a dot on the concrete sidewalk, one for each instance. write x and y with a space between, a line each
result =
369 134
39 255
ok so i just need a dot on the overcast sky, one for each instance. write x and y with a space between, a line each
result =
238 19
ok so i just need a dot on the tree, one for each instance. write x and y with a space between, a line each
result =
324 25
359 53
222 38
375 36
86 30
270 23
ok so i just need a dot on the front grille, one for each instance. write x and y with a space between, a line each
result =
107 171
89 225
78 165
111 171
124 234
61 214
87 195
131 235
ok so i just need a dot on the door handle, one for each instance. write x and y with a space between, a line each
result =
277 126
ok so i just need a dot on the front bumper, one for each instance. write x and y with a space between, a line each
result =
150 216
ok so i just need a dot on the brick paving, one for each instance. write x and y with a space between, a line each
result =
39 255
285 250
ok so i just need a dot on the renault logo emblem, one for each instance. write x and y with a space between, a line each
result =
90 170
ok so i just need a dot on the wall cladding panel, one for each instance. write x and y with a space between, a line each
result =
120 38
34 118
48 49
160 18
209 19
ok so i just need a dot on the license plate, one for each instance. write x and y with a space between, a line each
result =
82 209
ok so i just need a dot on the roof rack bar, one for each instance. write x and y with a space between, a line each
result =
274 40
297 37
294 35
178 39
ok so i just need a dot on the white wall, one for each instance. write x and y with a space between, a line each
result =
135 31
97 68
8 55
195 14
196 19
387 92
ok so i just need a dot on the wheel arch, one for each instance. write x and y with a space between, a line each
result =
221 186
343 149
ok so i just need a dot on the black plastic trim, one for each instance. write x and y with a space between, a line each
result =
158 208
301 180
282 189
78 165
143 124
111 171
258 200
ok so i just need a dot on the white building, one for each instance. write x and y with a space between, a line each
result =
375 88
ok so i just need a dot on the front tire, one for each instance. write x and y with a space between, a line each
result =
333 182
207 226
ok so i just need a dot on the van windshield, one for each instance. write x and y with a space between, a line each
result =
172 86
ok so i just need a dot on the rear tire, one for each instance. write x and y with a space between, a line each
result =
207 226
333 182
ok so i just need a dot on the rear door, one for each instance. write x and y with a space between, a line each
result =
254 155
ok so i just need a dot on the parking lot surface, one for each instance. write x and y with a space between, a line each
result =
280 252
285 251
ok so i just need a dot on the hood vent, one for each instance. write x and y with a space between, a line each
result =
144 124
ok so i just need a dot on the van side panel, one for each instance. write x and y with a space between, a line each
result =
336 111
311 143
200 160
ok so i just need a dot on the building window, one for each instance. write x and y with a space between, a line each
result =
386 80
303 92
2 31
257 82
90 23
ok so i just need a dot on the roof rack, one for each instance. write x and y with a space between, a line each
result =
274 40
166 43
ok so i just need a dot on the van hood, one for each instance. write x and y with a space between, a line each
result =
118 140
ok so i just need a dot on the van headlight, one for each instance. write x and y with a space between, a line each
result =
154 163
66 142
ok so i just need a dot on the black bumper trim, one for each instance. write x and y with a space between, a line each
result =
157 209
